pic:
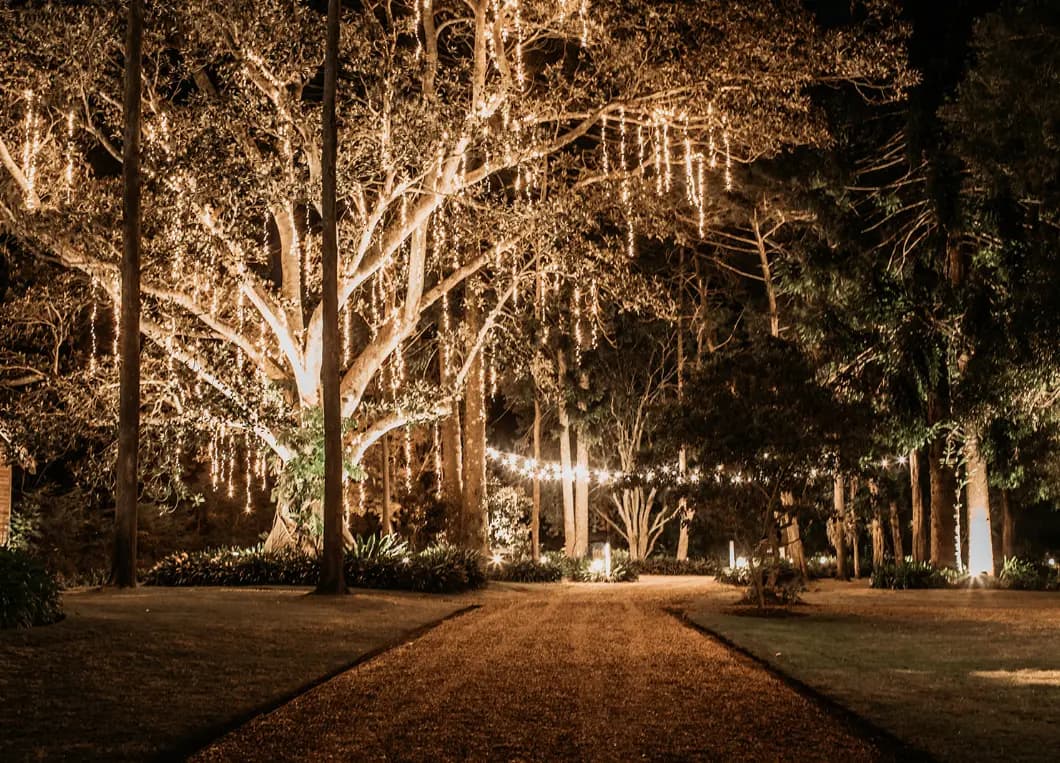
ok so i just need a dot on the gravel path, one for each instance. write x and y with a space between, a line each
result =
573 672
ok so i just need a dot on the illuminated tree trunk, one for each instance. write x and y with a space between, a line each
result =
535 512
896 532
385 519
980 539
476 523
684 513
839 531
567 481
920 521
1008 527
332 575
123 573
793 537
581 496
943 504
452 465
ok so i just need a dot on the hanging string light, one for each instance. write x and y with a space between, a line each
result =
92 320
248 473
583 16
701 203
728 162
30 148
603 143
520 71
437 443
68 173
407 446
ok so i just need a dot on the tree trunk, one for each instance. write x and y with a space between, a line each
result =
581 496
896 532
535 512
943 502
476 532
332 575
980 538
452 467
123 573
1008 527
839 534
793 536
684 514
567 481
920 524
854 531
385 519
878 549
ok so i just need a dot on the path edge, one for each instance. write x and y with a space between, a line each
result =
190 744
889 743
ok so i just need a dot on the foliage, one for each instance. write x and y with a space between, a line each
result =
781 582
29 594
373 564
525 570
821 566
1029 575
909 575
509 521
668 565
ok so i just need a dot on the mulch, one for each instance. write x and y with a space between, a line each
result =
587 672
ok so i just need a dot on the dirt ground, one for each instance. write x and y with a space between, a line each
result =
959 673
552 673
153 672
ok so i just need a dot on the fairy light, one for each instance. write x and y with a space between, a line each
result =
417 21
594 312
668 171
641 151
116 316
690 177
583 17
437 438
657 156
30 148
520 71
248 506
230 457
407 444
577 316
92 319
728 162
603 143
68 173
701 204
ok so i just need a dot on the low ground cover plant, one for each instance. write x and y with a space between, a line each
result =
29 593
669 565
908 574
370 563
1028 575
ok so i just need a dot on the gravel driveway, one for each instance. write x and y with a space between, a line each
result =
554 673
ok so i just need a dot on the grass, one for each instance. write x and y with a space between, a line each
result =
155 672
948 672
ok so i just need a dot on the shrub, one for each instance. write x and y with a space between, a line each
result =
785 589
909 575
1026 575
668 565
378 563
526 571
29 594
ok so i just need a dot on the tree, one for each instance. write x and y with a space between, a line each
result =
124 571
457 111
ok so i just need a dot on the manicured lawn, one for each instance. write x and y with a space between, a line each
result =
134 675
968 674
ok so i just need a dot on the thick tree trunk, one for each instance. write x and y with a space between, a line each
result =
793 536
839 531
476 532
1008 527
920 521
535 511
386 521
123 573
567 481
685 514
878 546
896 532
943 504
332 575
581 496
980 538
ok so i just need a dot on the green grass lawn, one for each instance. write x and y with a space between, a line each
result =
151 672
961 674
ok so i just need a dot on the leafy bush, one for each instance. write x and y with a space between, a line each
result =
509 520
29 594
1027 575
909 575
821 566
668 565
526 571
379 563
786 586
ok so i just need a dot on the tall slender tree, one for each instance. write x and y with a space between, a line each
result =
332 577
124 563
